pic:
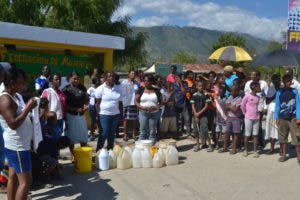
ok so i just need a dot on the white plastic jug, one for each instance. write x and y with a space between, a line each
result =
157 161
124 160
127 148
172 155
162 155
103 159
146 158
112 158
97 159
137 158
117 148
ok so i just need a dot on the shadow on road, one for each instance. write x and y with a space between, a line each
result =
78 186
183 148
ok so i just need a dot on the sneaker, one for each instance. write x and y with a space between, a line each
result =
196 148
282 159
256 155
245 154
203 146
210 149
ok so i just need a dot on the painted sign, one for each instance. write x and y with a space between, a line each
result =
293 42
33 62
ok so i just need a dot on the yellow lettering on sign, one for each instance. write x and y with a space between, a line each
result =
294 36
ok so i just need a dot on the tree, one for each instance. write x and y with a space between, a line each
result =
228 39
183 57
93 16
273 45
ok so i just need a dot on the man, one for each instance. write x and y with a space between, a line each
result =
255 77
171 77
190 89
230 77
295 83
287 116
130 112
42 82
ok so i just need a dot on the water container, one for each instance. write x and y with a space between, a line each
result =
103 159
127 148
124 160
97 159
162 154
83 159
172 155
117 149
137 158
157 161
146 158
112 158
153 151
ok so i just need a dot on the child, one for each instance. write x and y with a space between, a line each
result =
249 107
287 116
211 110
200 103
169 115
271 127
92 108
233 123
221 114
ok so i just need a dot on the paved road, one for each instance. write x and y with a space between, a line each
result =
199 175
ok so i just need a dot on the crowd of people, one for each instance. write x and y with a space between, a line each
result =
217 111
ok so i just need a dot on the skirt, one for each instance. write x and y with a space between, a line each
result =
76 128
271 127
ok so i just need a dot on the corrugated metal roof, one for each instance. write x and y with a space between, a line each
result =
203 68
51 35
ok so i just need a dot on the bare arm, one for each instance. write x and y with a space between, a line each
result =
8 111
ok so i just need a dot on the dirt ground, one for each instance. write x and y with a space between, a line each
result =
200 175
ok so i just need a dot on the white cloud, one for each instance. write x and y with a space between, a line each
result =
206 15
151 21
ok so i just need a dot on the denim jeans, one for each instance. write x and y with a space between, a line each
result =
148 125
108 129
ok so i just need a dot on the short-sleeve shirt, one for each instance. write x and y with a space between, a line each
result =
76 97
128 90
234 101
199 100
110 98
229 82
169 110
91 93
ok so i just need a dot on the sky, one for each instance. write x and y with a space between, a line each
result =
262 18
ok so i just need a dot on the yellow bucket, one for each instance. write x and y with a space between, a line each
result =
83 159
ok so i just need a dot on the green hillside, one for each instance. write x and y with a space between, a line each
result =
165 40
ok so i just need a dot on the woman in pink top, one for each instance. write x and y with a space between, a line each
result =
56 104
249 107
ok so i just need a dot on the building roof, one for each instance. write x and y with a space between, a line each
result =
203 68
197 68
41 36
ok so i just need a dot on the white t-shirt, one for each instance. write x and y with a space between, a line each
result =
128 90
149 99
91 93
110 98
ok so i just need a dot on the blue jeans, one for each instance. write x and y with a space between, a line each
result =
108 129
93 114
148 125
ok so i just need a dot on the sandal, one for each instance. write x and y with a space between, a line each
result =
223 150
232 152
125 139
283 159
196 148
270 152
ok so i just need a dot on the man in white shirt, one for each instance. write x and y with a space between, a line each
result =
255 76
295 83
129 87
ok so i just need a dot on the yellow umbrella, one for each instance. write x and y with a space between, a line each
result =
230 53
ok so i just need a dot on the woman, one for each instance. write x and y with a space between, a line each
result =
18 133
76 105
148 100
108 100
56 104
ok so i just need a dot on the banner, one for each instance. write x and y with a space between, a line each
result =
293 25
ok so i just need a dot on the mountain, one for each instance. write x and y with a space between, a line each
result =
163 41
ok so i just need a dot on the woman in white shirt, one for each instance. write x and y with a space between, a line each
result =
148 100
108 104
18 133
